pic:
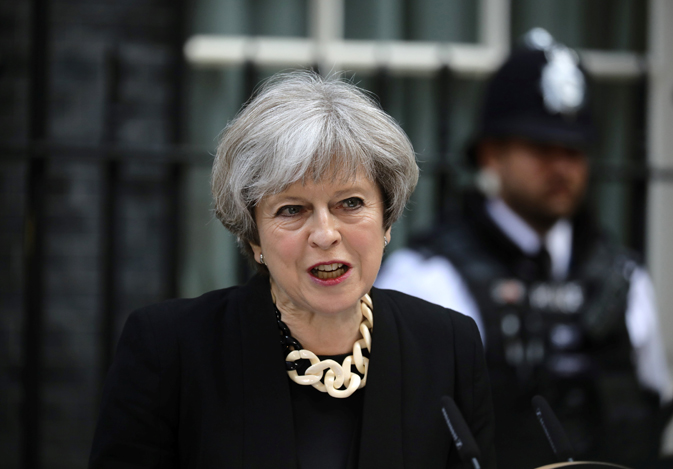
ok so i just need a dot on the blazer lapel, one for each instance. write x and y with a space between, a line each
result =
381 440
268 424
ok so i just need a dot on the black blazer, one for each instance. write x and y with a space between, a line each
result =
200 383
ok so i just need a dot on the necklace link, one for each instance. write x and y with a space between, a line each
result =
336 375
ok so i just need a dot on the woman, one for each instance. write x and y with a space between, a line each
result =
310 177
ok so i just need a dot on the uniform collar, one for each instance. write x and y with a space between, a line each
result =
558 239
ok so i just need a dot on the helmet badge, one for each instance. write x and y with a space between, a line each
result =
562 82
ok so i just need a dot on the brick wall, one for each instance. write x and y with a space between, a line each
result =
82 35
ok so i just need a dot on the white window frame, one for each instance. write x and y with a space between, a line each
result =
327 47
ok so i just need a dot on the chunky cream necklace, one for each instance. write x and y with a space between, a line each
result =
337 375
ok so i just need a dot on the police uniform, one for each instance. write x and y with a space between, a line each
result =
570 316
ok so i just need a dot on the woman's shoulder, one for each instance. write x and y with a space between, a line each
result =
409 308
177 307
167 326
182 314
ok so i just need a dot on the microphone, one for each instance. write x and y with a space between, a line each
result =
460 432
558 440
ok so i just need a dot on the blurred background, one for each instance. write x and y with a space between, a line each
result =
110 111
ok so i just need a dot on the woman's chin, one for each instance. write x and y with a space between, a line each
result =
334 300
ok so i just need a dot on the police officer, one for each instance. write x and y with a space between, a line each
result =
564 310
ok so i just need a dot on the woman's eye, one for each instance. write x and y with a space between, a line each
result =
289 210
353 202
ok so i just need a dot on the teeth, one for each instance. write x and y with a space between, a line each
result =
329 267
328 271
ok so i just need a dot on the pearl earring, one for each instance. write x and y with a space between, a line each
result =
261 259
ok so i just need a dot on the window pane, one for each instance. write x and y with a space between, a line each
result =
592 24
413 20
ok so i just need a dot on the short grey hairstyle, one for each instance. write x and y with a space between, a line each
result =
303 127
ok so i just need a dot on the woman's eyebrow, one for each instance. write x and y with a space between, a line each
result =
354 188
278 199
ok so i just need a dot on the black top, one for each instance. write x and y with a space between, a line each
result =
327 429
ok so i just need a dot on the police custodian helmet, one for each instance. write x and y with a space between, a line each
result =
539 93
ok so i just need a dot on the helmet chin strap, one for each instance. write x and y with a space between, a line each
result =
488 182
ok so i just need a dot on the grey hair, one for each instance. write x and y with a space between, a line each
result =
303 127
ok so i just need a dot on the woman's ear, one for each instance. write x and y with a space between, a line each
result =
387 234
256 251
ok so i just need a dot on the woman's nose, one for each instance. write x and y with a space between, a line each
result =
324 231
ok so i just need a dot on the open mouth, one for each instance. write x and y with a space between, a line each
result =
328 271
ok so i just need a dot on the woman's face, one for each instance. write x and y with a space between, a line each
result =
322 243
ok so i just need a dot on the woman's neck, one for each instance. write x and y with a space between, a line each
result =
322 334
